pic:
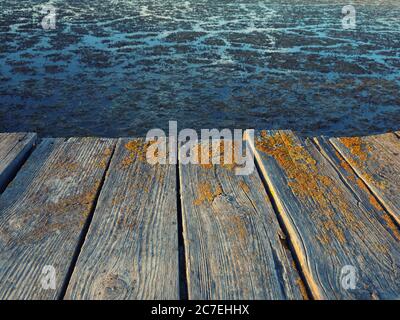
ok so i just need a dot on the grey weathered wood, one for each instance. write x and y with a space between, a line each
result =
43 212
235 248
376 159
14 148
331 225
131 250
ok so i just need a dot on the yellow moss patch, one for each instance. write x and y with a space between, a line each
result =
226 150
137 150
306 182
206 193
106 156
357 147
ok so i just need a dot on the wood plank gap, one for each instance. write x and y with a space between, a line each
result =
13 169
85 229
288 241
294 241
183 285
234 243
392 217
376 161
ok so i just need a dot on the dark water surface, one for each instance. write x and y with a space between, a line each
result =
120 68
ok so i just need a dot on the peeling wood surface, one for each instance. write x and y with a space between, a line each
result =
14 148
43 211
376 159
131 250
235 248
329 225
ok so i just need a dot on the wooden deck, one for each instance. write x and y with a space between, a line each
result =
115 227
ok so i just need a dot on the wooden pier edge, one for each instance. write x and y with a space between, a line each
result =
345 213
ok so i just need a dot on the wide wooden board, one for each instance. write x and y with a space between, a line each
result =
235 248
43 212
336 233
14 149
376 159
131 250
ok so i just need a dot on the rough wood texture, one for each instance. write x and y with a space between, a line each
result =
131 250
329 224
43 211
376 159
14 148
235 248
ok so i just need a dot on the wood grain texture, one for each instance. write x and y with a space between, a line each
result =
131 250
331 222
376 159
14 148
43 211
235 248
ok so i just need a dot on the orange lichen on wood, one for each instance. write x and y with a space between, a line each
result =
306 182
137 150
227 151
106 155
360 152
357 147
206 193
361 184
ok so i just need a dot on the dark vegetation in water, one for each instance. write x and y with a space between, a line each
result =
120 68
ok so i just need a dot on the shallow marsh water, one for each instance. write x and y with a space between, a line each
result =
120 68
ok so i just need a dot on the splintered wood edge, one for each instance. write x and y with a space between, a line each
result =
294 237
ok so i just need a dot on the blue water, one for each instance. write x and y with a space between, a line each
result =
120 68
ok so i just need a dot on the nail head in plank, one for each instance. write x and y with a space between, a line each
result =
329 226
43 211
376 159
14 148
131 250
235 248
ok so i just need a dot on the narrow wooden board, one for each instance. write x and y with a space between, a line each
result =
376 159
397 133
14 149
235 248
330 225
43 212
131 250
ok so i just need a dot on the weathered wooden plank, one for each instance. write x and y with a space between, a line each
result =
397 133
14 148
131 251
235 248
330 222
376 159
43 212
